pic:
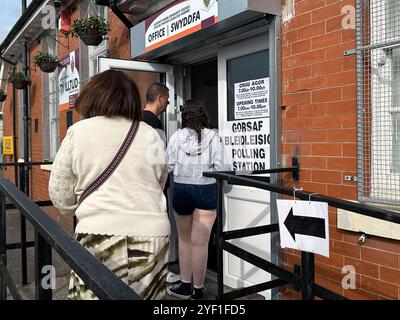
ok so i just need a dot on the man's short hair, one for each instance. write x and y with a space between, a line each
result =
156 89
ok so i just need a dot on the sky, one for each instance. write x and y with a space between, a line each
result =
10 11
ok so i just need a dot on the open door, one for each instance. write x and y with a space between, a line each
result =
144 74
239 66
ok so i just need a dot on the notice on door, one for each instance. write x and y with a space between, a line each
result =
252 99
247 144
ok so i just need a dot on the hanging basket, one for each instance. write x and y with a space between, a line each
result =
48 66
21 84
91 36
2 97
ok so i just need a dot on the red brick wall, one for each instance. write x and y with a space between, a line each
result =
119 39
8 111
319 126
119 47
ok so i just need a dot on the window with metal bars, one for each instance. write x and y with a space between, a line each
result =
378 95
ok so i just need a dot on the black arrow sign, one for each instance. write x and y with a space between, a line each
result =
305 225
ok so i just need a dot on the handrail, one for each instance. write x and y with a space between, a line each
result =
23 163
362 209
103 282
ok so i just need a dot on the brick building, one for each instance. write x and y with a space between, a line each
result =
324 107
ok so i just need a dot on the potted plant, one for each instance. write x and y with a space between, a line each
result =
18 79
91 30
46 62
3 95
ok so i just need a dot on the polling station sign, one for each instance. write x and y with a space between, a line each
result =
247 144
252 99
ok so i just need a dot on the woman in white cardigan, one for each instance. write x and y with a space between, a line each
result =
124 222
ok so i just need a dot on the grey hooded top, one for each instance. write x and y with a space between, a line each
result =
189 159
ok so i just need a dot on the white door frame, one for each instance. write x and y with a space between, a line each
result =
235 193
105 63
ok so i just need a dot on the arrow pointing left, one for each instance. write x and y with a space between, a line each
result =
308 226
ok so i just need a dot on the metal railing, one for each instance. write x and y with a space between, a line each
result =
49 235
21 169
306 280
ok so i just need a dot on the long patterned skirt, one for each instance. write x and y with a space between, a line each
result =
141 262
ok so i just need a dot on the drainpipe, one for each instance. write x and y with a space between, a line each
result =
26 157
26 120
15 137
25 66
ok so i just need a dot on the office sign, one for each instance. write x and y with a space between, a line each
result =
178 20
69 81
303 225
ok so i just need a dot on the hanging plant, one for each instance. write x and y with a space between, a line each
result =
91 30
18 79
46 62
3 95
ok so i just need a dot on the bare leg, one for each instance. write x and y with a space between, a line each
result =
203 221
184 227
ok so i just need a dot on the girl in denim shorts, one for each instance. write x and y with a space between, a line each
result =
194 149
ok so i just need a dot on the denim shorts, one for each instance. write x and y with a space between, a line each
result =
187 197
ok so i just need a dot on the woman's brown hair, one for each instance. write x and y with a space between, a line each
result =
195 117
110 93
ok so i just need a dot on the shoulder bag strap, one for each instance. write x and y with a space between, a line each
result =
113 164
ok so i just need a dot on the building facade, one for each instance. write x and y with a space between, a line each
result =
310 79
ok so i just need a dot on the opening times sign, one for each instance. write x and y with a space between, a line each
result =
247 144
252 99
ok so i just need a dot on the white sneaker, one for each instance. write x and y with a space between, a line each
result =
173 278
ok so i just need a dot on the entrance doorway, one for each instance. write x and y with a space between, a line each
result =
202 83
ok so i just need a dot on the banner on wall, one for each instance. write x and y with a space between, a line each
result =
252 99
247 144
178 20
69 81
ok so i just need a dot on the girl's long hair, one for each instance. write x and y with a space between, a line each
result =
195 117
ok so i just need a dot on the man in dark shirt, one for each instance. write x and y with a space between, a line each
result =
157 96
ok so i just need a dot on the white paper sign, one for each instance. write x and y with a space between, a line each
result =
247 144
303 225
252 99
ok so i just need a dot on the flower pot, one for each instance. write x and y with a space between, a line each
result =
21 83
91 37
48 66
2 97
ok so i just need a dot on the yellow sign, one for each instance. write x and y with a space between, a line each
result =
8 147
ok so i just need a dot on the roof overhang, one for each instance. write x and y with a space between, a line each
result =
141 9
231 15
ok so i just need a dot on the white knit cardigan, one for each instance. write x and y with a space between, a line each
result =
131 202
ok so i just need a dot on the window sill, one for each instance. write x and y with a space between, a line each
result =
46 167
355 222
